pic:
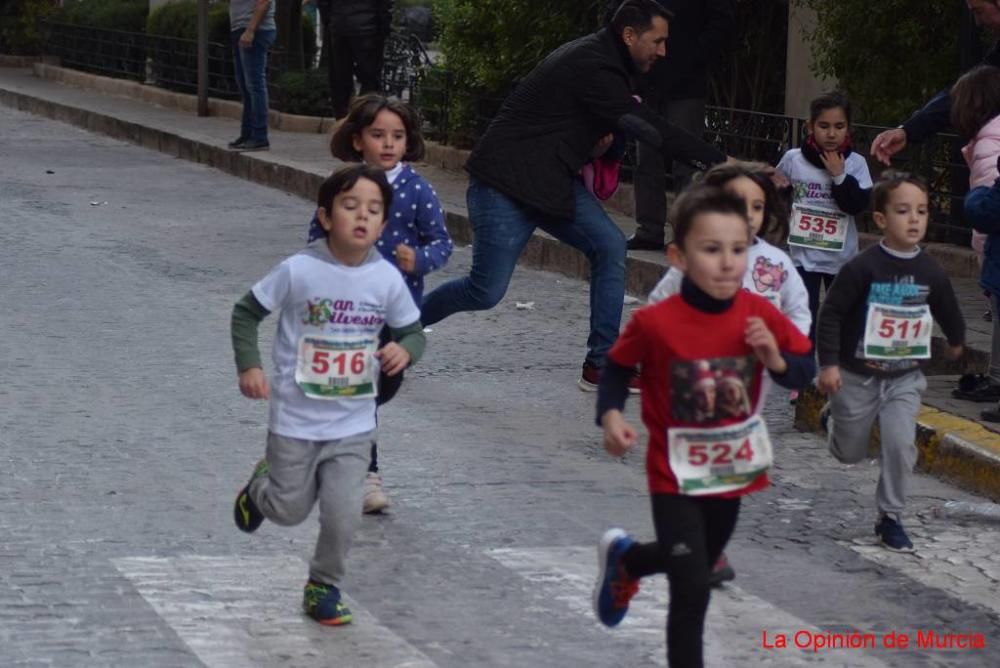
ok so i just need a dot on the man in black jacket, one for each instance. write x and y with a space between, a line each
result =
676 87
525 169
357 30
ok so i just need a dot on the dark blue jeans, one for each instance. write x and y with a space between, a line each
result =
502 228
250 67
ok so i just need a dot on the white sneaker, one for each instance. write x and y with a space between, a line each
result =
375 499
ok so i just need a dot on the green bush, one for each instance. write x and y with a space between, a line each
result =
180 19
128 15
21 29
488 44
303 93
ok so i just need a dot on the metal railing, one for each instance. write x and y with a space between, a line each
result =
409 74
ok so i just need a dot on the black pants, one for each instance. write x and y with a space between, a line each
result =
650 179
691 533
813 279
388 386
350 57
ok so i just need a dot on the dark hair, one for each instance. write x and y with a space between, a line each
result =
889 181
346 178
775 224
362 114
975 100
833 99
638 15
700 199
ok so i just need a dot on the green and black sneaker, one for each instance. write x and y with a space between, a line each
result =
246 513
322 602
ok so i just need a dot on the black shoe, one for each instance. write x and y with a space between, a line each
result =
635 242
237 143
245 512
978 388
253 145
991 414
721 572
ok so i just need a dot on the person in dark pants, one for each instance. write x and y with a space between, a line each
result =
525 170
676 88
934 117
356 30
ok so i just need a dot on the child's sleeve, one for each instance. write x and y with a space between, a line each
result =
846 291
945 309
247 315
435 243
403 318
624 356
852 190
668 286
796 350
795 301
785 166
982 208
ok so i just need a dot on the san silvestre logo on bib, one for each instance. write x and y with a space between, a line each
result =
822 641
320 311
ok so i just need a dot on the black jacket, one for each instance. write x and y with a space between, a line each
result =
545 130
936 115
700 32
358 18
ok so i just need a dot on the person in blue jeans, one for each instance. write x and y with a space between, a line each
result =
252 32
525 170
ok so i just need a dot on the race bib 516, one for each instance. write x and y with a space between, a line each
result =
330 367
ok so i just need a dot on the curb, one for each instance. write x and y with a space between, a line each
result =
960 451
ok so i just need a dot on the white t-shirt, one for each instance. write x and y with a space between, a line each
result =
813 187
317 295
770 275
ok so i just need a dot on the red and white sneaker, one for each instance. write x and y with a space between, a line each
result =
591 376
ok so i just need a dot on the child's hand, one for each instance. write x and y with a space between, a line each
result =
406 257
394 358
619 436
778 178
602 146
833 161
829 380
764 345
253 384
952 352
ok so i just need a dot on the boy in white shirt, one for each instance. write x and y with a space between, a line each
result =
335 296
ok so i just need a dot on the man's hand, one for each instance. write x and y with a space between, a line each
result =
619 436
246 39
764 345
829 380
833 161
394 358
406 257
887 144
253 384
602 146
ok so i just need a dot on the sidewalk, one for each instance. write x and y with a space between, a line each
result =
299 161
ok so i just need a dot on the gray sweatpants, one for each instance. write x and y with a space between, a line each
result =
304 471
895 402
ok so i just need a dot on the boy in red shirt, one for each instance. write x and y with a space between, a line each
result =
698 352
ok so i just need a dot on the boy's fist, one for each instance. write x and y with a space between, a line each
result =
829 380
394 358
253 384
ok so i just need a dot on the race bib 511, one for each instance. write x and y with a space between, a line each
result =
898 332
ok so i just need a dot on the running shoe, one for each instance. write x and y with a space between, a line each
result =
322 602
245 512
892 535
614 588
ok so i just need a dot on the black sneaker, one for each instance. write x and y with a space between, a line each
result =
245 512
253 145
238 142
635 242
977 387
991 414
721 572
892 536
824 419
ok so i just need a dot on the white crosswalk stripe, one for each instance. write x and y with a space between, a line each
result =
238 612
736 619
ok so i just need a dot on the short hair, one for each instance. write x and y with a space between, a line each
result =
638 15
775 224
889 181
833 99
975 100
346 178
701 199
362 114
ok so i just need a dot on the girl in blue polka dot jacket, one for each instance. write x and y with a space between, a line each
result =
385 132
